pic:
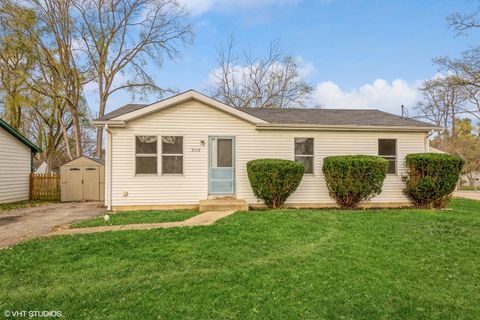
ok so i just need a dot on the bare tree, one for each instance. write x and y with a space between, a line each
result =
465 70
442 101
243 80
465 73
461 23
47 125
120 37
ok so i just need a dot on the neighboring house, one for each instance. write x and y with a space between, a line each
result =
435 150
471 179
40 166
15 164
187 148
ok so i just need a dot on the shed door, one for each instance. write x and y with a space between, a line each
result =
74 184
91 180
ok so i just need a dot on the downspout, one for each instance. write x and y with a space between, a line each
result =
427 141
108 191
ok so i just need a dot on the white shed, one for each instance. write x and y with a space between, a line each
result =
83 179
16 153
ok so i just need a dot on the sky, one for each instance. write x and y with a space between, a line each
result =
356 53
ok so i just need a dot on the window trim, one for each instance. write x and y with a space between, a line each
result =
306 155
172 154
143 155
386 157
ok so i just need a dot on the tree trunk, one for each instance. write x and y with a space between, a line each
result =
67 142
99 143
78 136
101 112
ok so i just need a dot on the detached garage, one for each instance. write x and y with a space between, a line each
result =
16 154
83 179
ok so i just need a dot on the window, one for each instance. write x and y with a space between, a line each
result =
172 155
145 155
224 153
387 149
304 153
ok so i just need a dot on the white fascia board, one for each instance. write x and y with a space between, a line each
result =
186 96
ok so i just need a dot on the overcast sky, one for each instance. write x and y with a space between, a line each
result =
357 53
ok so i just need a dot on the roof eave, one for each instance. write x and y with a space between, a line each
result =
110 123
184 97
34 148
303 127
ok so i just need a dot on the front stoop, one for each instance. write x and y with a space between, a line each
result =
223 205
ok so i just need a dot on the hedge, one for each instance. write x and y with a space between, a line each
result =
431 178
354 178
274 180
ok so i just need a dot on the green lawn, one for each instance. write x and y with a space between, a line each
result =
129 217
468 188
280 264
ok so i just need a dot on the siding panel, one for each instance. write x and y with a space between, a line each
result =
196 122
15 167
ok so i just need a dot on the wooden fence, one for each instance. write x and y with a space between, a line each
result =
45 187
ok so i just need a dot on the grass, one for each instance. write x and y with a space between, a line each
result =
278 264
469 188
24 204
129 217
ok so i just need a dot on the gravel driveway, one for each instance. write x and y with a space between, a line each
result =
28 223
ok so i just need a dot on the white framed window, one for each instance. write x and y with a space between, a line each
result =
146 155
172 155
304 153
387 149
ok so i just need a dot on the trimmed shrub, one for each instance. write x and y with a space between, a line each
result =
354 178
431 178
274 180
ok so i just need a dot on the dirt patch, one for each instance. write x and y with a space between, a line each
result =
28 223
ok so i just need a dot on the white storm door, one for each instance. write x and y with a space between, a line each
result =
221 166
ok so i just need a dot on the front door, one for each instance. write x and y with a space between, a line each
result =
221 166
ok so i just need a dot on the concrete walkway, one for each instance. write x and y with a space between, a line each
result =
472 195
23 224
203 219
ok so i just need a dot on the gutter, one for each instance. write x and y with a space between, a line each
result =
107 123
310 127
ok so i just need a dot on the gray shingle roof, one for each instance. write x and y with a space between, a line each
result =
121 111
346 117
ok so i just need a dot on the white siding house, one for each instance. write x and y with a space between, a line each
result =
190 147
15 164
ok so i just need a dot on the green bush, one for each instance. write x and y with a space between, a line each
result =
355 178
431 178
274 180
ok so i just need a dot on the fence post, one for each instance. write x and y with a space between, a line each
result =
30 187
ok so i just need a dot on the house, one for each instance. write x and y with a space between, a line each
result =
15 164
39 166
188 148
471 180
